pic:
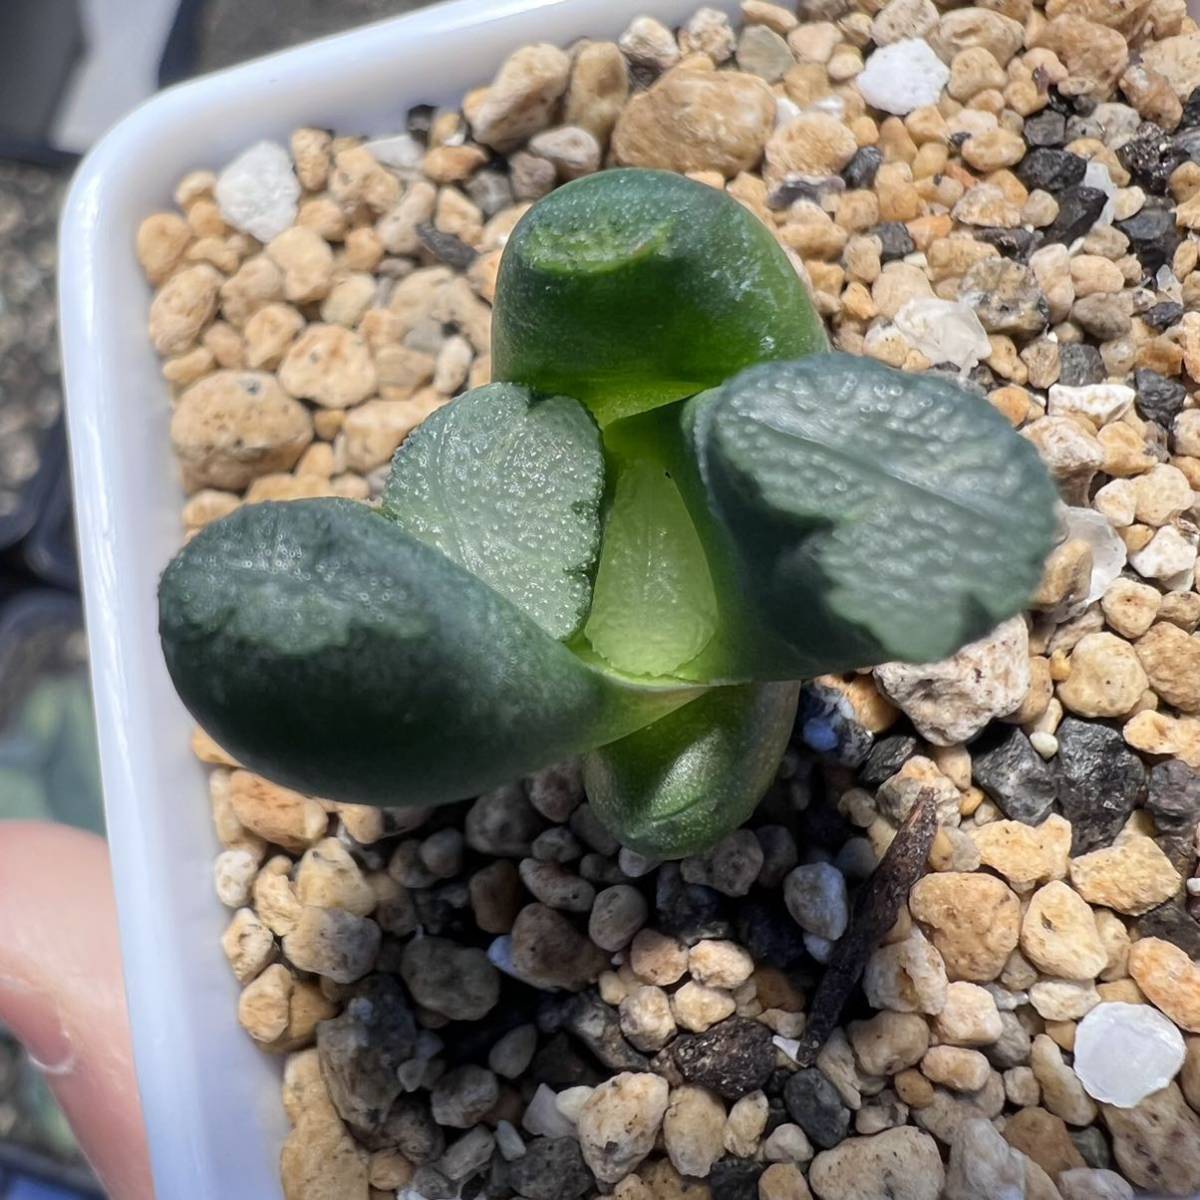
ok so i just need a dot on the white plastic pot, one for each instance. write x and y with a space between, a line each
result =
211 1097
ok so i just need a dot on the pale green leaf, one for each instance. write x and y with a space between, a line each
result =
508 485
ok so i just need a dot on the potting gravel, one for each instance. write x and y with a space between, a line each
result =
494 999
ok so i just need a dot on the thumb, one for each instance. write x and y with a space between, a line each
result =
62 996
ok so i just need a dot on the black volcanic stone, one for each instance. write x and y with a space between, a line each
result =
1080 365
733 1058
1191 110
769 934
1050 169
1153 236
1163 316
551 1169
1078 208
817 1108
861 170
559 1065
894 239
420 121
598 1027
735 1179
1173 798
361 1050
1012 243
1014 775
1150 156
1172 923
688 911
887 756
1180 848
1100 781
1158 398
1047 128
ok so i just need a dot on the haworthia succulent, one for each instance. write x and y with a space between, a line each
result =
877 515
508 485
629 289
681 784
328 648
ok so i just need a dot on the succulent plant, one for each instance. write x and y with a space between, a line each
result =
674 504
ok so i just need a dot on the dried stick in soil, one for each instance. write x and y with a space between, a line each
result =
875 910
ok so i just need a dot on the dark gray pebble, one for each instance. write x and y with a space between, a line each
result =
817 1108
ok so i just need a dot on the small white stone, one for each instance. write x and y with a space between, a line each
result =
1046 744
542 1116
1170 553
786 111
402 152
258 192
944 331
233 874
903 76
1109 553
1096 176
1101 402
1124 1052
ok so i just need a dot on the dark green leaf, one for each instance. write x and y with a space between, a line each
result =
328 649
629 289
678 786
878 515
508 486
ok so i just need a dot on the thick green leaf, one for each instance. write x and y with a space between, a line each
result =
629 289
330 650
508 485
654 606
678 786
878 515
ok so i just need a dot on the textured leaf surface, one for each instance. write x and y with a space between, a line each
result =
508 486
680 785
629 289
654 606
331 651
879 515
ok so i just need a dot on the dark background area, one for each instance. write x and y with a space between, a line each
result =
48 765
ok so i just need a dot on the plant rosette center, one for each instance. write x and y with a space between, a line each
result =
672 505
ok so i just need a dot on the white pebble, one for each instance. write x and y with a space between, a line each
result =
258 192
1100 402
1124 1052
1109 553
1097 176
233 873
1046 744
543 1118
944 331
402 152
903 76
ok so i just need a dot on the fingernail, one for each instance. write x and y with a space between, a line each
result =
34 1021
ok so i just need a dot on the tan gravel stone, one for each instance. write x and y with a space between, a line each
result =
1059 935
1157 1144
1106 678
698 120
1132 876
974 919
1169 978
812 144
1026 855
1171 660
